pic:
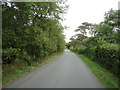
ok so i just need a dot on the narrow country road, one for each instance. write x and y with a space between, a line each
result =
67 71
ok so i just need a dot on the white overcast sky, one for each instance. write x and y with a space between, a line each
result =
91 11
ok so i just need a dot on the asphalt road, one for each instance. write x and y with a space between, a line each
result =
67 71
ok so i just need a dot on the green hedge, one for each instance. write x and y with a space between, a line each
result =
11 55
106 54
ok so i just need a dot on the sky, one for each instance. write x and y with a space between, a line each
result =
80 11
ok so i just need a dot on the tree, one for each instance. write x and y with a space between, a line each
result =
103 45
32 30
85 28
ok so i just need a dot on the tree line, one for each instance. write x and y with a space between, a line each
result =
31 31
103 44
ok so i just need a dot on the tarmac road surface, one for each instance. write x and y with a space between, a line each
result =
67 71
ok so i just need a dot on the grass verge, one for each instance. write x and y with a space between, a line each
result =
22 71
106 78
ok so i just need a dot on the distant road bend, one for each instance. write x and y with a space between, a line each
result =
67 71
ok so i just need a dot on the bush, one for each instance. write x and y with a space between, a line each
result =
90 52
9 55
107 55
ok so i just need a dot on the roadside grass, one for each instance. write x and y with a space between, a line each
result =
11 76
106 78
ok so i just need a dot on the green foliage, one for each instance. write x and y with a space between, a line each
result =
31 32
10 55
107 55
68 45
84 28
103 45
103 30
112 18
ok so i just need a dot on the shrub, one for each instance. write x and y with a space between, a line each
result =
107 55
9 55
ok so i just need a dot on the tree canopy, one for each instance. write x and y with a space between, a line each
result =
31 30
103 44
